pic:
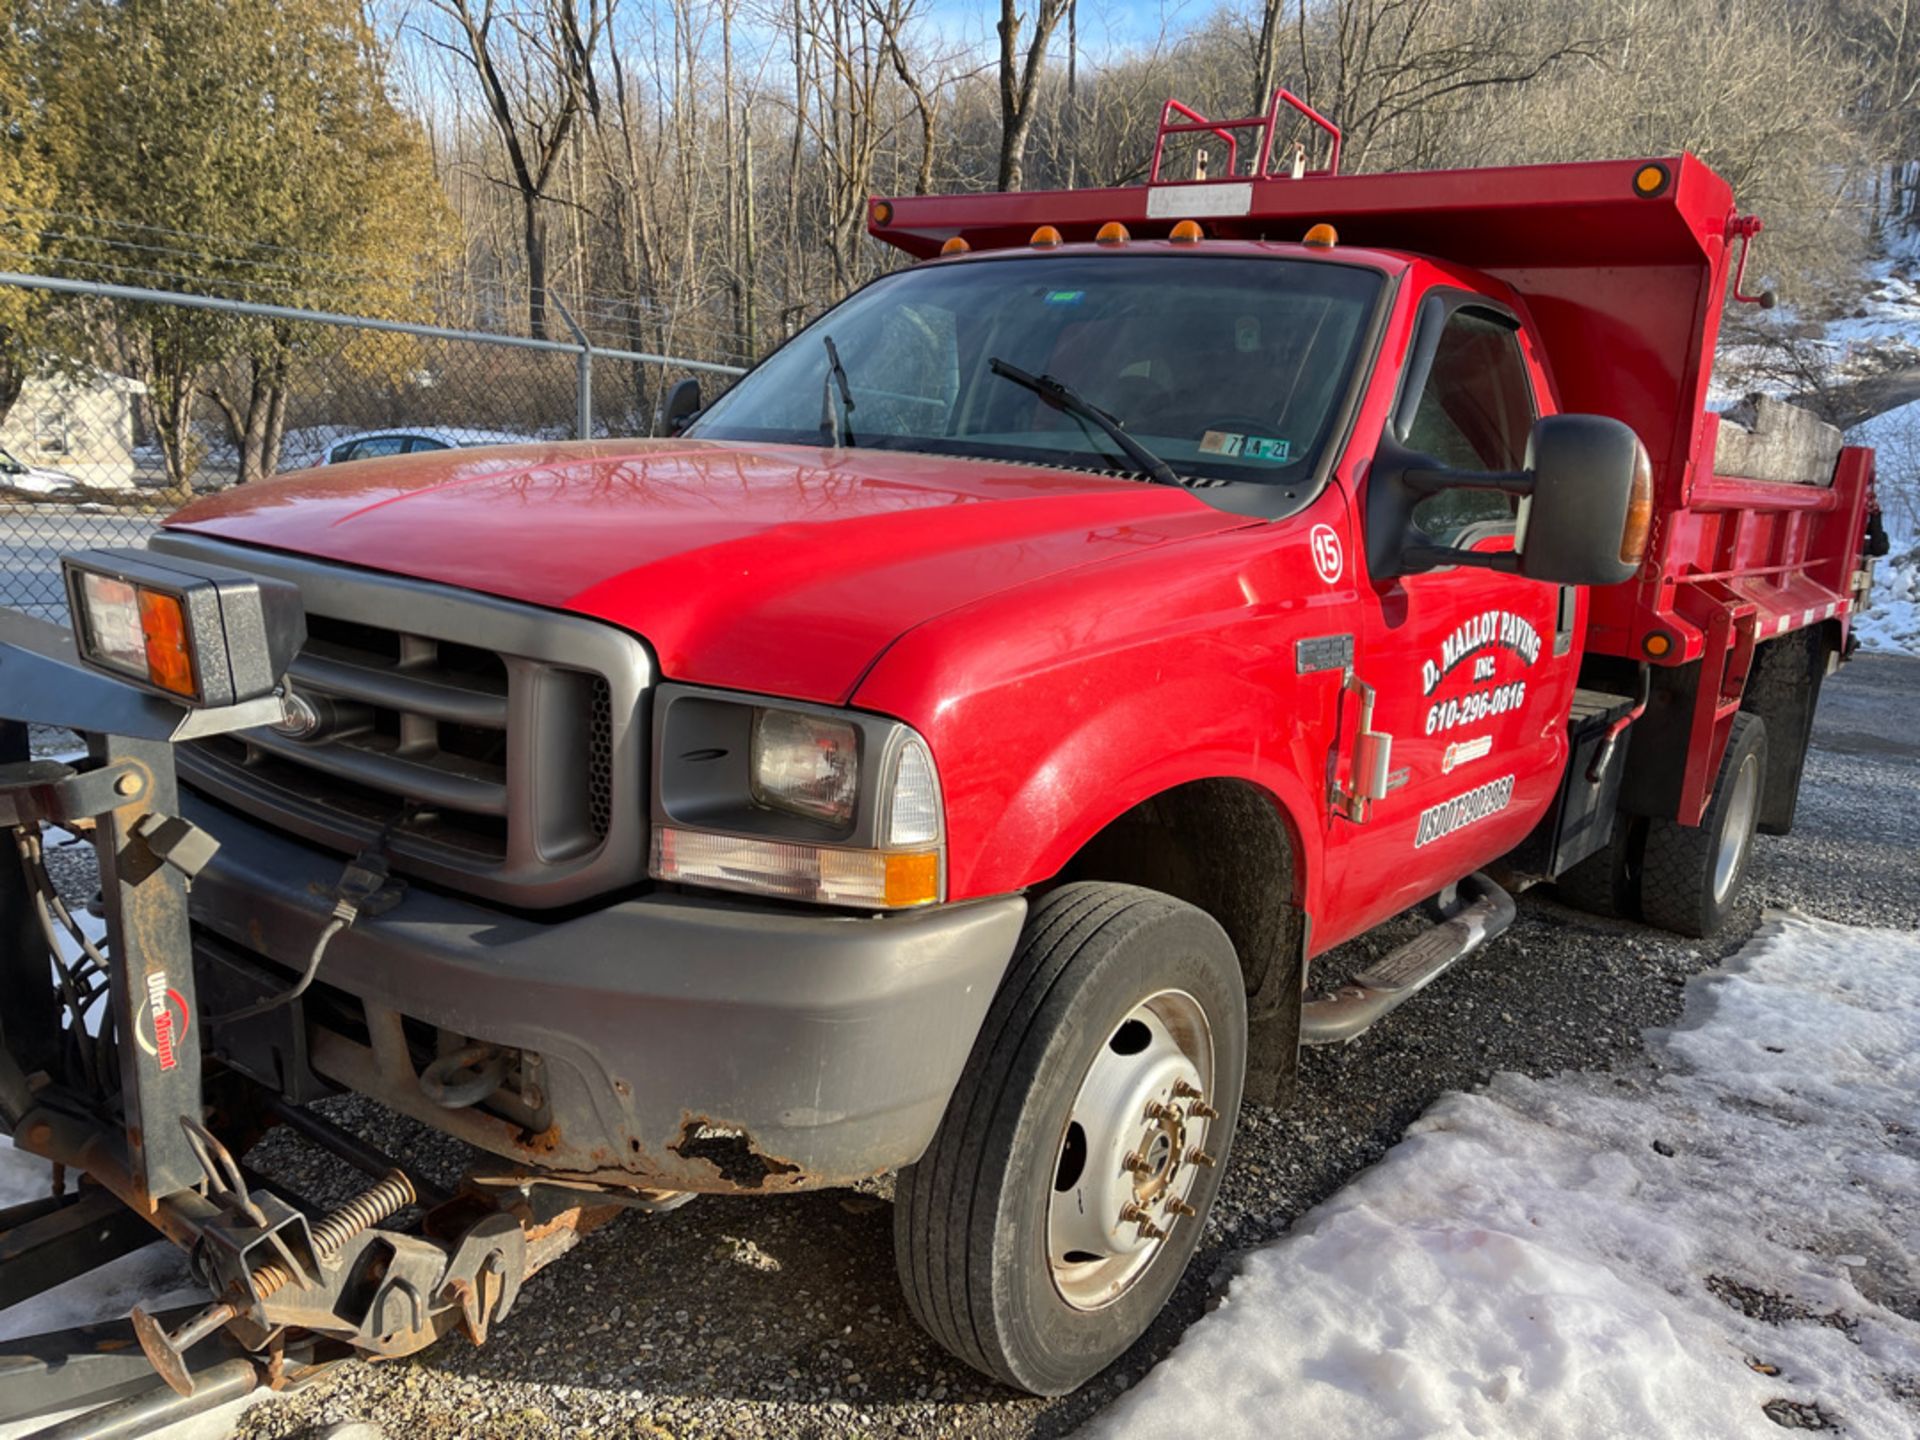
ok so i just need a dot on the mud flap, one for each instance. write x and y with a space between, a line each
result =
1273 1024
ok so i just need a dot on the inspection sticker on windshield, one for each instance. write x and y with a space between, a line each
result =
1246 447
1065 297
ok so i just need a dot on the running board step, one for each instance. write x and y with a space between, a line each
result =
1485 911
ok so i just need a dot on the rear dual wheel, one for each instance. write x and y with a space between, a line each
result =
1683 878
1690 875
1066 1188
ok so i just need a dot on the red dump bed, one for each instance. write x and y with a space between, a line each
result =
1625 290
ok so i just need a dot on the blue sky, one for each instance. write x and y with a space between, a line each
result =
1104 24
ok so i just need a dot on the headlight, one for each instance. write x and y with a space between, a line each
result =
805 764
813 804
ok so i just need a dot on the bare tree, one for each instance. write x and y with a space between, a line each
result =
1020 80
535 69
1376 65
1884 36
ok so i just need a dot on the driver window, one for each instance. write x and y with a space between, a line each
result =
1475 413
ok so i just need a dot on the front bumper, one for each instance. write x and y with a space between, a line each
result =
686 1044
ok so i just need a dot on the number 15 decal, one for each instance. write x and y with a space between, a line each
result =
1327 558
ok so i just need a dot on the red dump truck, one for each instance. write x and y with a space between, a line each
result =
948 752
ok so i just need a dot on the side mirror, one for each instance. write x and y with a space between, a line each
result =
678 408
1586 501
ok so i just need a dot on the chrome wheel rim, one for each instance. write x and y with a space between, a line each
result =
1737 835
1131 1150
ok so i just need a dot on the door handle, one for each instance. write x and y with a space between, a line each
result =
1369 776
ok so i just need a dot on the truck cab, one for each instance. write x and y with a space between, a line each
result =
947 753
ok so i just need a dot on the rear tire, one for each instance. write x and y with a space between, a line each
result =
1603 883
1119 1002
1691 875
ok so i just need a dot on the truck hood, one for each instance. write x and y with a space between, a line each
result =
782 569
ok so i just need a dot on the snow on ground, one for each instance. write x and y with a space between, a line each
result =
1877 333
155 1276
1723 1244
1892 623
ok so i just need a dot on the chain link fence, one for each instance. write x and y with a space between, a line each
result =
140 400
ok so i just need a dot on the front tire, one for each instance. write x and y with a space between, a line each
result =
1690 875
1105 1078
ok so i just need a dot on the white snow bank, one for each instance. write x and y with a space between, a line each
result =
1892 622
1531 1261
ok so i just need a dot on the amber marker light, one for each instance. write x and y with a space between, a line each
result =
1112 233
912 878
955 246
1187 232
1045 238
1657 644
1651 180
163 625
1633 536
883 212
1322 237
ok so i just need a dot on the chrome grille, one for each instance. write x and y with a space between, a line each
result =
489 740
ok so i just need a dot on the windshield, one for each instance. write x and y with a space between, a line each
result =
1226 367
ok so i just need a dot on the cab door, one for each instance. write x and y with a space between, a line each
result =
1473 670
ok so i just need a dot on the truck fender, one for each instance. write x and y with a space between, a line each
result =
1115 762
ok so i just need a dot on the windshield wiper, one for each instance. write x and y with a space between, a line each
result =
835 419
1065 397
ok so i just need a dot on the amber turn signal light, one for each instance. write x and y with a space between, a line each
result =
1633 535
163 628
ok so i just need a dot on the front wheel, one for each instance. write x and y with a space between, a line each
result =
1066 1188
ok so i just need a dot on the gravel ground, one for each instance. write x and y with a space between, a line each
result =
781 1317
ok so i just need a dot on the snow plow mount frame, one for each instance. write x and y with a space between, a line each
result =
292 1288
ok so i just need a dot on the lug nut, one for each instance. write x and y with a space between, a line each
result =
1148 1230
1157 1111
1200 1110
1183 1091
1197 1156
1136 1163
1177 1206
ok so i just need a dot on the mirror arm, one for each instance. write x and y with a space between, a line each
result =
1434 557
